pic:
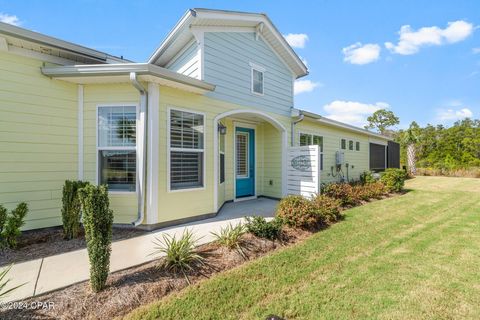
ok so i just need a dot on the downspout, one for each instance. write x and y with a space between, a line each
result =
300 119
141 184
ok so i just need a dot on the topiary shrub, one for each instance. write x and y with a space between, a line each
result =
14 221
394 179
71 209
344 192
97 221
262 228
298 212
326 209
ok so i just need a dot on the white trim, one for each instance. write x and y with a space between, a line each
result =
279 126
97 148
254 128
80 130
153 152
222 29
262 71
204 150
200 38
175 57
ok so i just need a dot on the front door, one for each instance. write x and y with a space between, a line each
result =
244 162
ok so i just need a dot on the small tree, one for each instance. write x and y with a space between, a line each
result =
381 120
71 209
97 221
14 221
3 218
410 137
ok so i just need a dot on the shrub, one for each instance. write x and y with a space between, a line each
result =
4 282
343 192
394 179
180 255
3 219
366 177
71 208
326 209
297 211
97 221
262 228
14 221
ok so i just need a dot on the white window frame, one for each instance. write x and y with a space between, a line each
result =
98 148
261 69
247 134
170 149
311 138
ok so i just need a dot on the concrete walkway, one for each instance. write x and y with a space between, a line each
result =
59 271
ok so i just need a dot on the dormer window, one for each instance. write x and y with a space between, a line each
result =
257 79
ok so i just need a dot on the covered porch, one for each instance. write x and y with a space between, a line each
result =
249 156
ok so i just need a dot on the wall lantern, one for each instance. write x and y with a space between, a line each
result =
222 129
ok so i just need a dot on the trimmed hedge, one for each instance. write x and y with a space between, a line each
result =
262 228
344 192
97 221
71 209
11 224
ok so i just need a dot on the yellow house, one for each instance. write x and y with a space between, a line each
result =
208 119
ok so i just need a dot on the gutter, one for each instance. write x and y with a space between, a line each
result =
141 183
299 119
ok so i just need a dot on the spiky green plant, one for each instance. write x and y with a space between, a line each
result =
231 237
4 282
180 255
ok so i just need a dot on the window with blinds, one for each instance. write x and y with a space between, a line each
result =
241 155
186 149
307 139
116 147
221 150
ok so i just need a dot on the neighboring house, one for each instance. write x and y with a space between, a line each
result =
208 119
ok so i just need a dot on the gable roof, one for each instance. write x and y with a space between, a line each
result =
30 40
180 35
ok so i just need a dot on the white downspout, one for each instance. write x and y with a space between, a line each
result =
300 118
142 172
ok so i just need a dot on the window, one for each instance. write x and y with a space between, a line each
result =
116 147
357 146
350 145
241 155
257 79
307 139
343 144
186 149
222 158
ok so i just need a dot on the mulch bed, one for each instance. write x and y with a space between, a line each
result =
133 287
42 243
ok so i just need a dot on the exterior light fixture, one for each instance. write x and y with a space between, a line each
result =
222 129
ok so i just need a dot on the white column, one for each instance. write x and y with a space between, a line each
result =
80 130
152 152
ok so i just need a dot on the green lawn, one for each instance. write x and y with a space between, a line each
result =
415 256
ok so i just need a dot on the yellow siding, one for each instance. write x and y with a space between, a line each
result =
124 205
331 144
38 139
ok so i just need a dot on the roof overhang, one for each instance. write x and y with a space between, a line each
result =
318 118
180 35
120 73
30 40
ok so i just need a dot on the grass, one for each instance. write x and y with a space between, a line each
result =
414 256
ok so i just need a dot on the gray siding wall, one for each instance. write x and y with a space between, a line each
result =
227 60
188 62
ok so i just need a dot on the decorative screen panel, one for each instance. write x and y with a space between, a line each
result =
241 155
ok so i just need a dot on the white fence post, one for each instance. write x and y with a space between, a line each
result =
303 170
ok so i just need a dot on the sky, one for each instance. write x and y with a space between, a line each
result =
419 59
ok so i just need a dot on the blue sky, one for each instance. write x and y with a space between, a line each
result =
428 72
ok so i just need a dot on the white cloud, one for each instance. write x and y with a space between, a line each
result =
352 112
301 86
6 18
296 40
411 40
476 50
361 54
450 115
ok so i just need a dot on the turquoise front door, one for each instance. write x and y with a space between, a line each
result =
244 162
